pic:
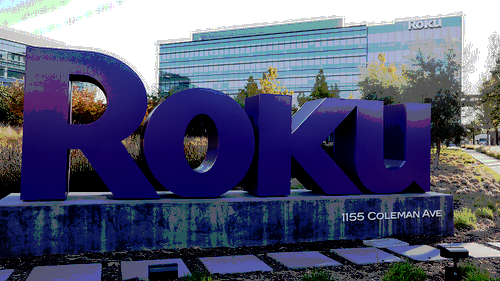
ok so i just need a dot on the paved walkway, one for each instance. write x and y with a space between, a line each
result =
375 251
489 161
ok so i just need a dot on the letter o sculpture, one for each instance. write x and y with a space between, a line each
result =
230 148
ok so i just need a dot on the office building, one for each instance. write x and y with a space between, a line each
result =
13 53
224 60
12 61
13 57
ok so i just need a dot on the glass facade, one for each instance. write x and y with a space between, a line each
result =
13 52
224 60
394 40
12 61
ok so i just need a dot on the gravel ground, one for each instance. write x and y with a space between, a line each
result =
459 180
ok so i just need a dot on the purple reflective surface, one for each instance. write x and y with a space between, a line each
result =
48 136
416 134
359 165
269 174
162 143
377 149
311 165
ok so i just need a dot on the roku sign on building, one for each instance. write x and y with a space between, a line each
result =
378 149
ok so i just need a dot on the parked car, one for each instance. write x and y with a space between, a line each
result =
482 142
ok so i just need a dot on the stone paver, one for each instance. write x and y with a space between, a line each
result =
303 259
365 255
418 252
131 269
81 272
384 243
249 263
234 264
4 274
477 250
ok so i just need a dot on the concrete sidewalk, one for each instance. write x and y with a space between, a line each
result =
489 161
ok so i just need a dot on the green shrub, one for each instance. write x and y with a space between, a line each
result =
10 159
464 219
297 186
405 271
472 273
11 152
4 110
469 161
317 276
12 103
85 109
195 150
484 213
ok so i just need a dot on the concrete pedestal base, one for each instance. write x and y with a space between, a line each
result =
95 222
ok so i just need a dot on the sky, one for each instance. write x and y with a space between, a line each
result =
130 29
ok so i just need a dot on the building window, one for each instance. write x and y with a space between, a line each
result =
399 36
406 36
391 37
390 56
399 56
454 32
384 38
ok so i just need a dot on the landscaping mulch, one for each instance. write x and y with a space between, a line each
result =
348 271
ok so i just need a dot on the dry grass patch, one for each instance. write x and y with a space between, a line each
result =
475 189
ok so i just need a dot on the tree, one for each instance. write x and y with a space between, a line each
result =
489 116
320 88
5 114
490 87
251 89
153 102
85 109
432 67
493 59
445 127
381 82
489 110
434 77
468 66
473 129
301 99
270 85
12 103
334 91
